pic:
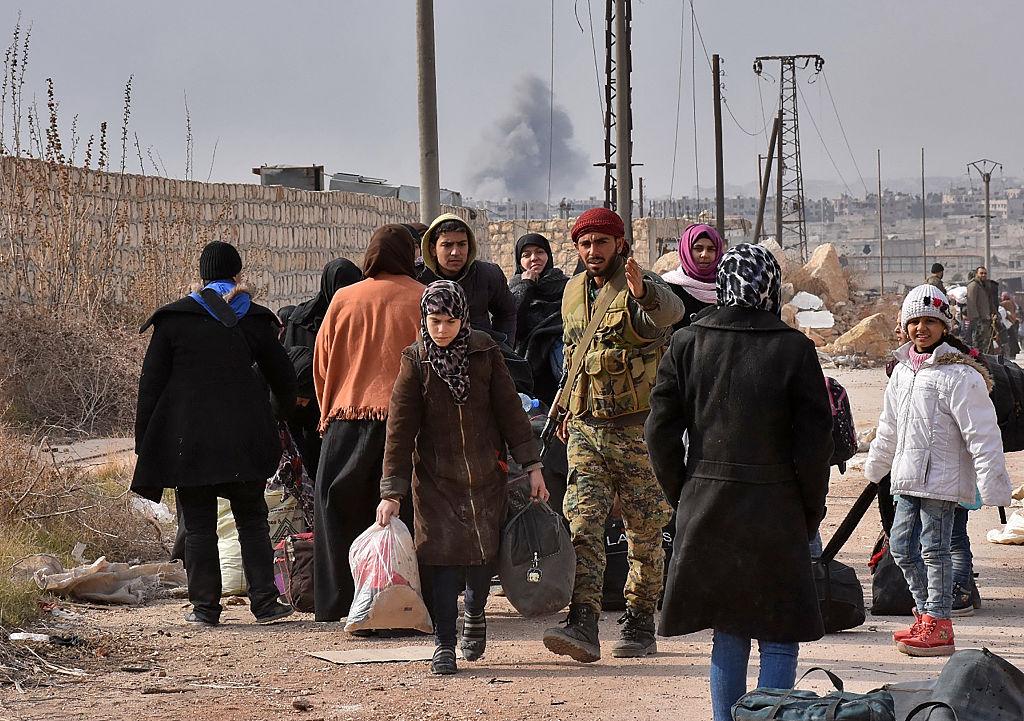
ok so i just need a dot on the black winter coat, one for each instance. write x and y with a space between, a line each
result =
750 394
492 308
204 416
693 306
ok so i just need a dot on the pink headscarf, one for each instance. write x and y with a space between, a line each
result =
689 266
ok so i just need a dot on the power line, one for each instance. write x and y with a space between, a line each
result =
597 72
725 102
700 35
551 116
807 109
843 131
693 86
679 97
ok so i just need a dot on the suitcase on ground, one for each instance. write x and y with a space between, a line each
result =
840 595
293 570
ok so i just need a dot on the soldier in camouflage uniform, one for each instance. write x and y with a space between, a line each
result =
608 404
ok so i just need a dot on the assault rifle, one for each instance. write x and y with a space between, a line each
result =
556 416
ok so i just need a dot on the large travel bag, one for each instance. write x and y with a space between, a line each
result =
796 705
840 595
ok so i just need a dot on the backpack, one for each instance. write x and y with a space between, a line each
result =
1008 398
844 434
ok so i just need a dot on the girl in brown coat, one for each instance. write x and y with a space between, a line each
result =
454 410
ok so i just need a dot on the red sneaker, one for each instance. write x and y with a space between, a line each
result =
906 633
933 638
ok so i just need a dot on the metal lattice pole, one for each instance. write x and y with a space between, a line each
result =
790 208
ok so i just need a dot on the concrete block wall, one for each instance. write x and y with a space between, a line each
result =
159 224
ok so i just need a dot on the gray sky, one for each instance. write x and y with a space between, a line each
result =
333 82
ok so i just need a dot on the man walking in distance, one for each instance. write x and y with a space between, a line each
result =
607 404
980 309
936 277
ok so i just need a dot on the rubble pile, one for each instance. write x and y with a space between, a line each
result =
667 262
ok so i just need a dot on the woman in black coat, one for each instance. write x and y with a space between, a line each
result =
305 319
537 287
204 427
748 392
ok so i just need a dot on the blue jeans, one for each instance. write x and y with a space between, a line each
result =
449 582
960 550
920 539
729 657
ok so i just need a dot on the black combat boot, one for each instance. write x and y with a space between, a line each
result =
637 635
577 638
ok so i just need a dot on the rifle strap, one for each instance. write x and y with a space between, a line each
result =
612 288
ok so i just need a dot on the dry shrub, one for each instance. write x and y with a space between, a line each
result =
49 508
74 375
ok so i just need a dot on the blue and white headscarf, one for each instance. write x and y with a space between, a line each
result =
750 277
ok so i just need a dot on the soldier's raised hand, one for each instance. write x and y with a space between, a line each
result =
635 278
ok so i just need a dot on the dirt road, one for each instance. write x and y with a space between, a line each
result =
156 667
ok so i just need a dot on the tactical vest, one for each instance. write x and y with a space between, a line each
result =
620 367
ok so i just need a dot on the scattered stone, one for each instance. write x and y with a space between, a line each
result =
815 319
301 704
788 291
817 339
872 337
824 267
789 312
667 262
864 439
775 249
807 301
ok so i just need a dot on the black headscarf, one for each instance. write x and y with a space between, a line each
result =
451 363
533 239
337 274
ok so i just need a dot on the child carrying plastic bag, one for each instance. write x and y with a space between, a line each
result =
387 581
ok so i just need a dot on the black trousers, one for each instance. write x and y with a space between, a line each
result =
449 582
198 507
347 494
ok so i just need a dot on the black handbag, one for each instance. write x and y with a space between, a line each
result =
765 704
890 594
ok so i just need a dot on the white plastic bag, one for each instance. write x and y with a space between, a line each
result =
387 581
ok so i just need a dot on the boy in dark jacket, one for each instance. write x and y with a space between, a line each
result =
204 427
450 253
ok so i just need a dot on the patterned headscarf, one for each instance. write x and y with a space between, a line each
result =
451 363
750 277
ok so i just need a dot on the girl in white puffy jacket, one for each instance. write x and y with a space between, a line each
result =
938 437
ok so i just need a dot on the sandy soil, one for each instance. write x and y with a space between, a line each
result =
154 666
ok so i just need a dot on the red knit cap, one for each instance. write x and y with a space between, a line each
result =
599 220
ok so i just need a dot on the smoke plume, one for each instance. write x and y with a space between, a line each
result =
512 158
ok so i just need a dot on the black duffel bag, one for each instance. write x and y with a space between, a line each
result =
890 594
793 705
840 595
536 559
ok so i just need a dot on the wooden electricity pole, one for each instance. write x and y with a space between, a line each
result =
716 72
426 98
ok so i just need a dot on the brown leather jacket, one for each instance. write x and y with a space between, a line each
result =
453 456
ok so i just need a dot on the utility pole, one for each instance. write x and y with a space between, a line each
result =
985 168
716 72
924 243
641 204
881 238
624 120
426 97
790 204
765 179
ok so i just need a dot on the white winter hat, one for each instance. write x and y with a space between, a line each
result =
926 300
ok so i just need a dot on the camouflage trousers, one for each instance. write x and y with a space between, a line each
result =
605 461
